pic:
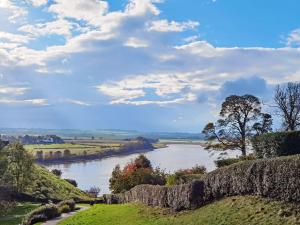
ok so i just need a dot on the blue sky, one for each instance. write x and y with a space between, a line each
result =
148 65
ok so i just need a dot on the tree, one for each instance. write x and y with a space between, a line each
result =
139 171
287 100
238 114
20 166
265 126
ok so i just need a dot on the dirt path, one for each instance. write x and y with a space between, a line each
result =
63 216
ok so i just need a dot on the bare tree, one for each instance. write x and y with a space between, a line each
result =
287 100
238 116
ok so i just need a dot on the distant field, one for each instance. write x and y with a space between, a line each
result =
76 147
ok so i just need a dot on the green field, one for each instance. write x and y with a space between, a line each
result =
231 211
75 147
15 216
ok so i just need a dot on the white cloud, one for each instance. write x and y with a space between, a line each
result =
13 38
172 26
136 43
86 10
38 102
184 85
294 38
15 10
37 3
77 102
13 90
59 27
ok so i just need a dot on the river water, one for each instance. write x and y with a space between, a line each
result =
174 157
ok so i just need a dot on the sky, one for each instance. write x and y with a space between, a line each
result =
147 65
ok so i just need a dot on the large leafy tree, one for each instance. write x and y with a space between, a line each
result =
238 115
287 102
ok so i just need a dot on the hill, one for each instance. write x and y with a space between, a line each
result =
46 185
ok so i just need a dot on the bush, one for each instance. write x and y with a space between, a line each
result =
73 182
41 214
57 172
64 209
137 172
186 175
6 206
276 144
70 203
226 162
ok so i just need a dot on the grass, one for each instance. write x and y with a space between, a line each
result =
76 148
15 216
47 185
230 211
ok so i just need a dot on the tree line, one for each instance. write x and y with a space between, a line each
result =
241 117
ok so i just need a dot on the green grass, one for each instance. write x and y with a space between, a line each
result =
15 216
47 185
246 210
87 147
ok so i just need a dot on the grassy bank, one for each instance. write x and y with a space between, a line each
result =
15 216
231 211
46 185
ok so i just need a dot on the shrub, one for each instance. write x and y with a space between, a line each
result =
184 176
226 162
64 209
276 144
57 172
41 214
73 182
134 173
70 203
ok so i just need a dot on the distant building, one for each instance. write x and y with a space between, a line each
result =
31 140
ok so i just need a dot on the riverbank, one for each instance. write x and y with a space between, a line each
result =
92 157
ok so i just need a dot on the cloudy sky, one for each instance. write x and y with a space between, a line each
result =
148 65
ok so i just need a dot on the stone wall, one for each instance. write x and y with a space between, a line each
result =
273 178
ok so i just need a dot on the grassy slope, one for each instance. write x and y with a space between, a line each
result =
16 215
47 185
231 211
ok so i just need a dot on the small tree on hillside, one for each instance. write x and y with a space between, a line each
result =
238 114
20 166
287 100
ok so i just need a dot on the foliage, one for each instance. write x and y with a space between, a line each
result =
248 210
185 176
287 100
41 214
70 203
137 172
46 185
19 167
226 162
73 182
15 214
276 144
6 206
57 172
238 116
93 192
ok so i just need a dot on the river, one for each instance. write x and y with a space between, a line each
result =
174 157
